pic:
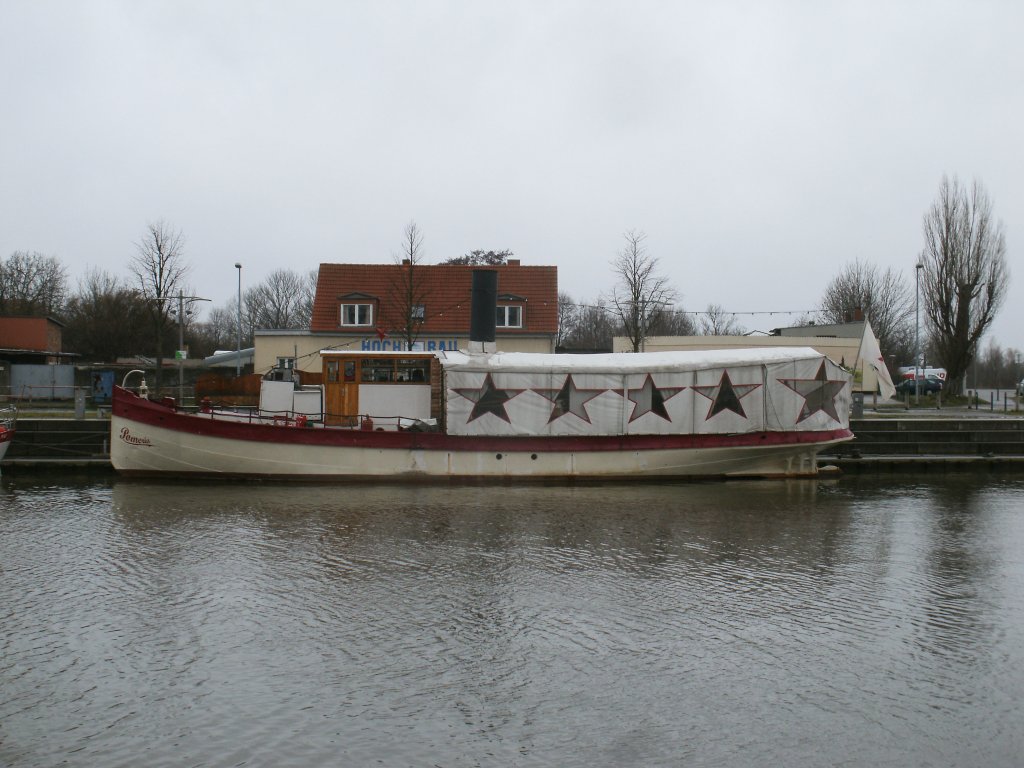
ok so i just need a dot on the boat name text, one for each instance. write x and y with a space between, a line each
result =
131 439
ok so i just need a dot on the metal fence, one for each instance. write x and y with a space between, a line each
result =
42 382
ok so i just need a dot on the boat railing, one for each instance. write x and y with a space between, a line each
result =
377 423
362 422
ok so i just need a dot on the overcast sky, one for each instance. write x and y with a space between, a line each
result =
760 145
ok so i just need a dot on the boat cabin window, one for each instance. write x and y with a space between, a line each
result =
412 371
378 370
356 314
395 370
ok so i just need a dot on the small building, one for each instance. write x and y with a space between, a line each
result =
31 340
33 363
376 307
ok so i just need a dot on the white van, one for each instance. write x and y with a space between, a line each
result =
907 372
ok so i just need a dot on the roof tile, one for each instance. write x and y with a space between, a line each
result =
447 289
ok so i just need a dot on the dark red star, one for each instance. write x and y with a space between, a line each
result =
488 399
569 399
819 394
726 396
651 399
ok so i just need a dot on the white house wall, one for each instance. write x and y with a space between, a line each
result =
268 348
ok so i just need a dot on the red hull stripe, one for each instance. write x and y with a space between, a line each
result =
142 411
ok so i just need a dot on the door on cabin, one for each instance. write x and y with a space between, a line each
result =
341 392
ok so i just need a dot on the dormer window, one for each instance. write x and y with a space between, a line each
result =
510 311
357 314
356 309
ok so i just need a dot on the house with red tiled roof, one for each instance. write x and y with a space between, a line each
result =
394 307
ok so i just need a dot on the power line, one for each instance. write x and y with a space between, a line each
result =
734 313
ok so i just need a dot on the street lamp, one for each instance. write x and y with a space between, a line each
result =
917 332
238 351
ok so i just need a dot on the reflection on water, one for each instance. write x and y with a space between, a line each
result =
806 623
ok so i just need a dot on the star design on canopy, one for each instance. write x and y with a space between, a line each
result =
569 399
488 399
819 394
651 399
725 396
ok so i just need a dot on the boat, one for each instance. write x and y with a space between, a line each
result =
480 414
393 416
8 421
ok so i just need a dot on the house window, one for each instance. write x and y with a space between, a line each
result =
510 317
356 314
418 313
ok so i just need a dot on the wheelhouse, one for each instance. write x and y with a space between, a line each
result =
396 388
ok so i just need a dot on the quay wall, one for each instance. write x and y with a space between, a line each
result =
880 442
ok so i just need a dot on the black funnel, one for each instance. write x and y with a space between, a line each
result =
484 307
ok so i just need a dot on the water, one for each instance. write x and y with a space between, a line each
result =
848 623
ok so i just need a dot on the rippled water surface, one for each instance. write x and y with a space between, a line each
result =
858 622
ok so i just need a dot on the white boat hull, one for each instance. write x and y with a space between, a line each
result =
7 424
148 449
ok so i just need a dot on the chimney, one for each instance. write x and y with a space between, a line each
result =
513 262
483 311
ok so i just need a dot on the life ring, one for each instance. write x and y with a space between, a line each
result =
301 419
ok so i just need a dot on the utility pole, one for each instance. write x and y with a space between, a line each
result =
238 350
917 332
180 354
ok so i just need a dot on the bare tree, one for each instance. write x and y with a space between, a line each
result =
594 327
105 319
481 258
884 298
717 322
568 313
671 322
407 311
641 292
309 282
220 330
160 270
997 367
965 274
277 301
32 284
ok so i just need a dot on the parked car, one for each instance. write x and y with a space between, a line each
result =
929 385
